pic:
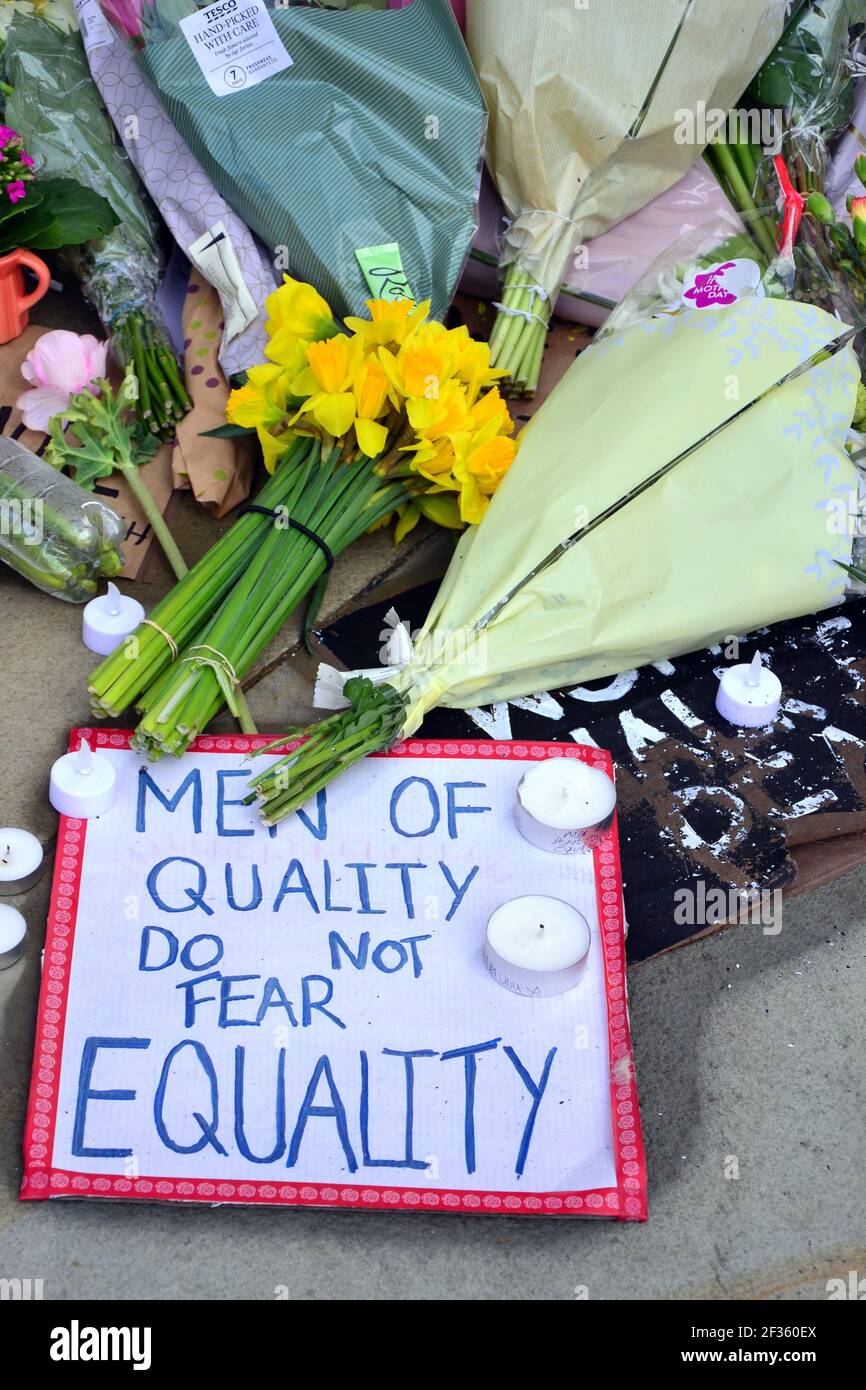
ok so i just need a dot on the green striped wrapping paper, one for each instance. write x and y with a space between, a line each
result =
375 134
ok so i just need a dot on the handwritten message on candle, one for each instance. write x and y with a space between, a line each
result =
303 1014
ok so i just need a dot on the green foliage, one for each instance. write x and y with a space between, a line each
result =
805 74
56 212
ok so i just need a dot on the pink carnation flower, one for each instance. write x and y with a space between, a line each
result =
59 365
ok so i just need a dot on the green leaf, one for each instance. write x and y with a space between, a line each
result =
28 229
226 432
9 209
79 214
806 72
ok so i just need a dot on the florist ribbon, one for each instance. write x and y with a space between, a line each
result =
793 205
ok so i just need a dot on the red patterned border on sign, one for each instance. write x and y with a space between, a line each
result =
627 1201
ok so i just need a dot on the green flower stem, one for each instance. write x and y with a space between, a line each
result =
119 681
144 408
373 722
338 501
172 376
245 719
730 177
143 496
517 342
163 399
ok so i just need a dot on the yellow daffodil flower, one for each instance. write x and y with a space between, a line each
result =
480 463
435 461
489 407
327 383
473 362
370 389
391 322
420 370
441 415
288 351
263 400
298 309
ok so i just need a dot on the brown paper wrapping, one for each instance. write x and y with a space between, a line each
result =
111 490
219 471
570 146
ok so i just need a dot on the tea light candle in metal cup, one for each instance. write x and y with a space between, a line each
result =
109 619
13 935
749 696
21 861
536 946
563 805
83 784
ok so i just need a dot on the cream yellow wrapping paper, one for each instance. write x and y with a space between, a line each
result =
572 145
738 535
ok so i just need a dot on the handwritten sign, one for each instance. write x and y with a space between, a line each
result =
302 1015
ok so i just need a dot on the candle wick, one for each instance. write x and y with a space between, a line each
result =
6 854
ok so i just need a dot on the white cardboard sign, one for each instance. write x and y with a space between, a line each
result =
303 1016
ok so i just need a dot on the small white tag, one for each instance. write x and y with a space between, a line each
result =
216 258
94 27
235 44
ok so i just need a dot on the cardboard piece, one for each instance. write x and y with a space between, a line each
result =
218 471
304 1017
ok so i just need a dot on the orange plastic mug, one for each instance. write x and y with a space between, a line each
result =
14 303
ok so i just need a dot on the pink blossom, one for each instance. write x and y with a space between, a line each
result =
27 160
126 14
7 136
16 190
59 365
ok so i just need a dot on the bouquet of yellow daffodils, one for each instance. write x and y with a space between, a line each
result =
683 483
394 418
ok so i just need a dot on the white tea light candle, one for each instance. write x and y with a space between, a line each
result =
83 784
20 861
749 696
13 933
109 619
536 946
562 803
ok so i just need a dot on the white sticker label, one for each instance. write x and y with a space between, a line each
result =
216 258
722 283
94 27
235 45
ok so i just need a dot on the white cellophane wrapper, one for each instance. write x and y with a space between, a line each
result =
736 536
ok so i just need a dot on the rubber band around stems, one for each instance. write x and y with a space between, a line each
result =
219 660
148 622
222 668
